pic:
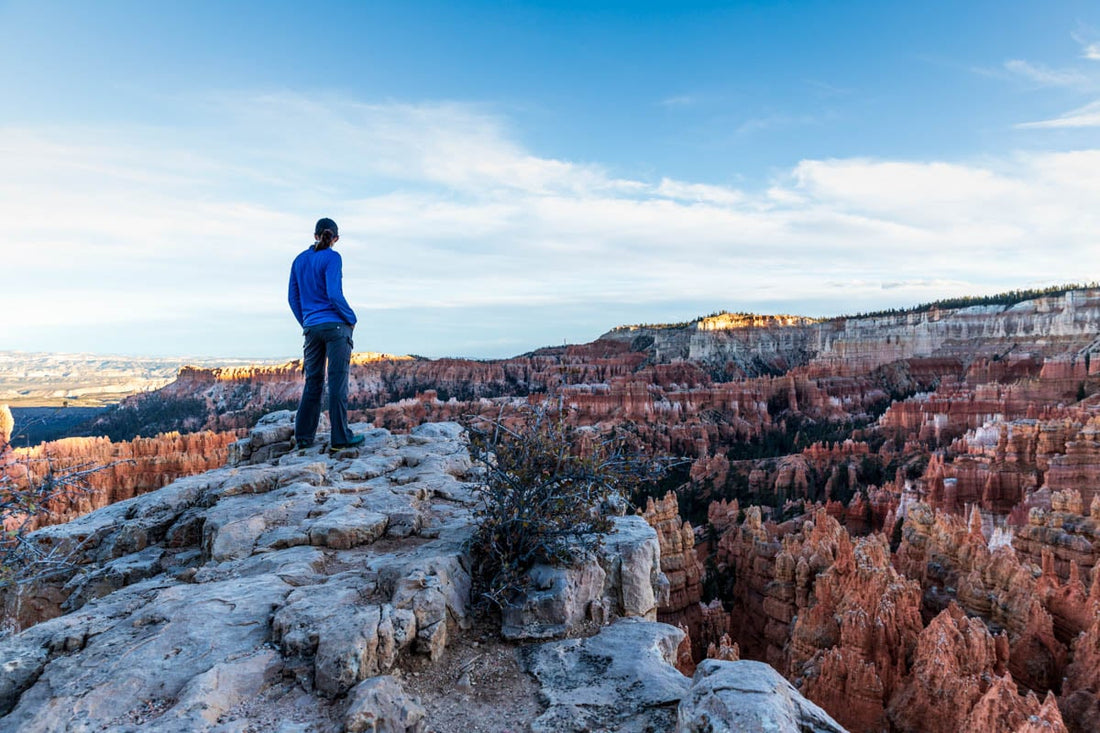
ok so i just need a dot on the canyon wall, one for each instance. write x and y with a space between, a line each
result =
1051 325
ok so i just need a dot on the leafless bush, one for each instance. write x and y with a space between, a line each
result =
29 489
547 490
21 504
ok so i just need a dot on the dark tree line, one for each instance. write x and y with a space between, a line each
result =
1006 299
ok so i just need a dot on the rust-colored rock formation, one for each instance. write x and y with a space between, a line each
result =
1079 467
120 470
953 562
1001 708
678 560
726 650
774 566
851 646
1069 534
1080 701
879 651
956 663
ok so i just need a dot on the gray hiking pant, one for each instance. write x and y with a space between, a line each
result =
329 342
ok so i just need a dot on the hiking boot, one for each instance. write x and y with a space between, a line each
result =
355 440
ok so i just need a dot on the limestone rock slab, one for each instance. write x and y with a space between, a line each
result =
381 705
621 679
145 642
297 577
623 579
747 697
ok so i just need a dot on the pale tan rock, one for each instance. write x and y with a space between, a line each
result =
208 696
747 697
622 678
7 424
381 705
624 579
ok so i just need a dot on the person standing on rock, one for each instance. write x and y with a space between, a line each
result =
317 298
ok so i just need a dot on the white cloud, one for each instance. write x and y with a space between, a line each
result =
1077 79
1045 76
679 100
441 210
698 192
758 124
1090 49
921 194
825 90
1087 116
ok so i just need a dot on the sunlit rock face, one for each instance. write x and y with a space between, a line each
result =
854 345
742 344
7 423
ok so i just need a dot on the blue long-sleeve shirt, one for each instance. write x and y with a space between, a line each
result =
316 292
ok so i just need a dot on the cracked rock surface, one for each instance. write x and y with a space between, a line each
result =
292 576
621 679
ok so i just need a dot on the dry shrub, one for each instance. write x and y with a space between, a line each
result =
29 488
547 489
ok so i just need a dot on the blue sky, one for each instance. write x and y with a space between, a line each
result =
512 175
